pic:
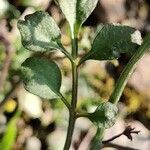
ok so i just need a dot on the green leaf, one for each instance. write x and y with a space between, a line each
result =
105 115
39 32
76 12
10 135
41 77
110 42
128 70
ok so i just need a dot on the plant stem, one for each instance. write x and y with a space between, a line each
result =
128 131
96 143
65 101
70 131
83 115
72 112
126 73
65 52
75 47
128 70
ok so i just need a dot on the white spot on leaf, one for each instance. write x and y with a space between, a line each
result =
136 37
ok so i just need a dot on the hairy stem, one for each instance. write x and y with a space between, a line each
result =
72 112
128 70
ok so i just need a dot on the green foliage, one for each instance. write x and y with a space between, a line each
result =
105 115
76 12
110 42
39 32
128 70
10 135
41 77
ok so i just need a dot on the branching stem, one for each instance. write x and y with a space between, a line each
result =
72 112
127 132
66 53
128 70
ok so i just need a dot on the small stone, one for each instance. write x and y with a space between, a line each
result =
33 143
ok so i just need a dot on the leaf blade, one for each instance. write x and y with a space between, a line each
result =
105 115
76 12
110 42
39 32
41 77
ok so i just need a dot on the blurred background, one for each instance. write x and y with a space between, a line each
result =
30 123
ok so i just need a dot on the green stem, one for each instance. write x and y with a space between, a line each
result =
121 83
128 70
65 52
83 59
72 112
75 47
70 131
65 101
86 115
96 143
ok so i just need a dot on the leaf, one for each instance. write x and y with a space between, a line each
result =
39 32
105 115
110 42
41 77
10 135
76 12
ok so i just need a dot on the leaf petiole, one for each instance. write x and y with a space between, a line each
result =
64 100
66 53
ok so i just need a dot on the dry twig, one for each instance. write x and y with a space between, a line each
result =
127 132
